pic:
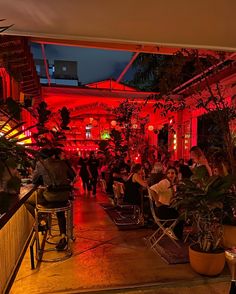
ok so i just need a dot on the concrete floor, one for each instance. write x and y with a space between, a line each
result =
111 261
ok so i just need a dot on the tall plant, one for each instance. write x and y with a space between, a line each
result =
130 124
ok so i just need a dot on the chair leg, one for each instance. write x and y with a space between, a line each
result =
32 251
154 239
38 247
72 222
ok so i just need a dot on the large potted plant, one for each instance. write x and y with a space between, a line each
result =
204 205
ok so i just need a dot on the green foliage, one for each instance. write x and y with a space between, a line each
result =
43 114
184 77
128 138
12 152
103 145
126 111
65 118
163 73
46 137
207 205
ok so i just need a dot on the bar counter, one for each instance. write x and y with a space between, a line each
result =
15 230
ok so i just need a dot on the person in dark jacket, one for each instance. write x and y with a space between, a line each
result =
85 176
93 165
54 173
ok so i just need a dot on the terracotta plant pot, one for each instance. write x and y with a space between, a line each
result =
204 263
229 236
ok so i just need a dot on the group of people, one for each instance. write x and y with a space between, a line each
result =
163 181
52 170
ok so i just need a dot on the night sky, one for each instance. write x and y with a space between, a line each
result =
92 64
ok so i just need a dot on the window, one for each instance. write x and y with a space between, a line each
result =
88 131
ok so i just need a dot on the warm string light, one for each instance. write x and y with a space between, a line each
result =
175 142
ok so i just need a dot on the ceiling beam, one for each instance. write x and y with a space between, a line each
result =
153 49
45 64
127 67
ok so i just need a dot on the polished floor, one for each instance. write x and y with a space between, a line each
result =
106 260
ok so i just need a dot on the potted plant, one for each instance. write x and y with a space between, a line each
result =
204 205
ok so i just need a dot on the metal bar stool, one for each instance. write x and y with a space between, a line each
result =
50 209
52 221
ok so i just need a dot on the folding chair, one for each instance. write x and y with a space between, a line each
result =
165 226
119 191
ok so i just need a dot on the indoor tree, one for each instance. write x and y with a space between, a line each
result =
131 125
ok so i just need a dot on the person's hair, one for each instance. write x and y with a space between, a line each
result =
147 162
172 167
46 153
136 168
176 163
176 173
197 150
181 160
58 152
157 168
116 170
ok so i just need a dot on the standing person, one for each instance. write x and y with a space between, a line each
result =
93 165
201 169
85 175
165 191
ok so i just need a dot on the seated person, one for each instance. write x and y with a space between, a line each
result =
156 174
54 173
133 184
147 169
164 195
10 183
117 175
184 170
201 169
